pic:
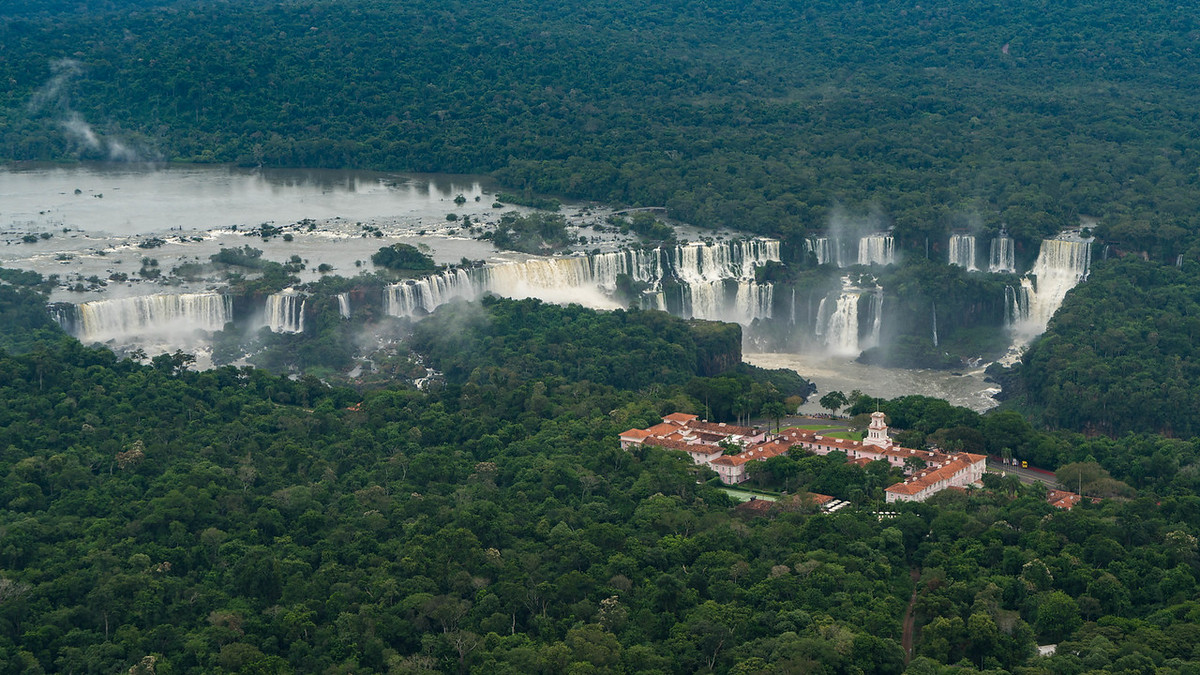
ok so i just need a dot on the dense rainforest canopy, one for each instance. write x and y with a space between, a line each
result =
773 117
155 519
1121 354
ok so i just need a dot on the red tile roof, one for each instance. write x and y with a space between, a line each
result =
681 431
926 478
723 429
1062 499
761 451
758 507
674 444
664 428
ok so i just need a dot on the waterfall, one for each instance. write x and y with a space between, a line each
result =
162 316
935 339
750 301
962 251
736 301
561 280
421 296
876 318
736 260
716 281
1060 265
793 320
876 249
1179 260
1014 307
284 312
654 300
344 305
823 249
1002 258
838 325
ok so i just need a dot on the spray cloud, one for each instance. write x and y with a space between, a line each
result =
54 98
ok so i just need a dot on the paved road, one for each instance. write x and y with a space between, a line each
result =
1026 476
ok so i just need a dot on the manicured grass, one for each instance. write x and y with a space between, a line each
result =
743 495
848 435
815 427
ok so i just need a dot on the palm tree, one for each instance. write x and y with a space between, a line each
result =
776 411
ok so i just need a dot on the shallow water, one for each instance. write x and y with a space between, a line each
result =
194 209
97 214
126 200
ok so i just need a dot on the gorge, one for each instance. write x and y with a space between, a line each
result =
845 292
841 315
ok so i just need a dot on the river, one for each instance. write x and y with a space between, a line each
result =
831 373
87 221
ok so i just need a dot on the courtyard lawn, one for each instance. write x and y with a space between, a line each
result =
848 435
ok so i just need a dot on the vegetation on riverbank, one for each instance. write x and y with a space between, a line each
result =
154 519
1120 355
235 521
775 119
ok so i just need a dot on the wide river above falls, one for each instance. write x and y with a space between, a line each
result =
89 219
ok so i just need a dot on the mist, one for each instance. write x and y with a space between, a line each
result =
846 230
53 99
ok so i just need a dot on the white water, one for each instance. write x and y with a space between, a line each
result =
410 298
284 312
344 305
935 337
1013 311
824 250
833 373
838 328
962 251
716 281
876 249
876 315
1002 258
150 317
1061 264
838 321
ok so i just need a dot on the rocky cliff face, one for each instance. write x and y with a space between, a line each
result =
718 347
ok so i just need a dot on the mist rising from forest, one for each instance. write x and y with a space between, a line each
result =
54 99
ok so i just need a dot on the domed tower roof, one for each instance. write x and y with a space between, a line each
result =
877 434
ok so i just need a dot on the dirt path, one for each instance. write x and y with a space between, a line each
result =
906 639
